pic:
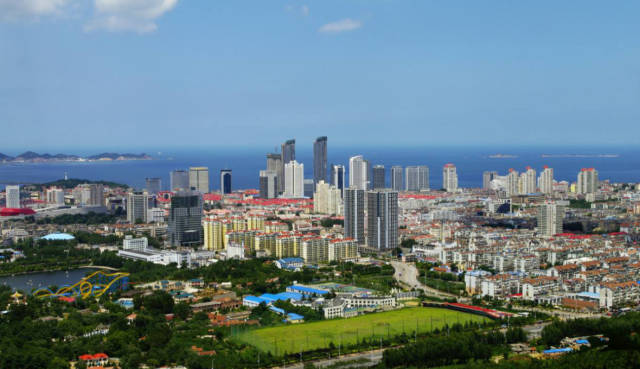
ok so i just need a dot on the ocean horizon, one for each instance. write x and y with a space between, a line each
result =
615 163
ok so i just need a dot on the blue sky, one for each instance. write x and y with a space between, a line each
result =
173 73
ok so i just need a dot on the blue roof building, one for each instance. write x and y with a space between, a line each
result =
58 237
304 290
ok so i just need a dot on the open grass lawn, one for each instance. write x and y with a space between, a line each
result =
314 335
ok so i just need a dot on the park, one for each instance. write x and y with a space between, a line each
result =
316 335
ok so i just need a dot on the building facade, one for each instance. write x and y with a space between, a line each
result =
358 172
378 177
320 159
354 214
416 178
293 180
137 206
396 178
185 219
179 180
382 219
225 181
199 179
449 178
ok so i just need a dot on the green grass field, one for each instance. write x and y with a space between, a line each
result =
314 335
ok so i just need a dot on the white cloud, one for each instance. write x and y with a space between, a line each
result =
343 25
128 15
19 9
301 9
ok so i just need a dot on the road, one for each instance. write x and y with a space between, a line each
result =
374 357
408 274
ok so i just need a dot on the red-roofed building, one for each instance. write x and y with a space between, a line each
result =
99 359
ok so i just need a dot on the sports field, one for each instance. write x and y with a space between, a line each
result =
309 336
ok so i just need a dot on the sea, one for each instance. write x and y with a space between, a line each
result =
618 164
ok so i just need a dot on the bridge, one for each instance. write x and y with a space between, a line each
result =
95 284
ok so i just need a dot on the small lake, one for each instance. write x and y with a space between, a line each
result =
28 282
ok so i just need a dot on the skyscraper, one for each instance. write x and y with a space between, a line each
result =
274 163
288 151
587 181
185 219
417 178
378 177
527 182
545 181
268 184
550 216
153 185
449 178
287 154
199 179
320 159
337 177
309 187
12 194
294 180
354 214
358 172
137 206
513 179
487 177
396 178
225 181
382 219
179 180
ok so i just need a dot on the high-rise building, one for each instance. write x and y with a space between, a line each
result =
185 219
274 163
545 181
199 179
487 177
12 196
225 181
550 216
287 154
396 178
449 178
268 184
308 188
327 199
288 151
513 180
337 178
54 196
179 180
382 219
587 181
294 180
153 185
527 181
358 172
137 206
378 177
416 178
320 159
89 194
354 214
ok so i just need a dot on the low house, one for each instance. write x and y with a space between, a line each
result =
99 359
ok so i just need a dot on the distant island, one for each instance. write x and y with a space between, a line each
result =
580 155
502 156
34 157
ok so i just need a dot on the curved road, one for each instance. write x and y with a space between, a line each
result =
408 274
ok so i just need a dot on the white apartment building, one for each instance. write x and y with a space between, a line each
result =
449 178
294 180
